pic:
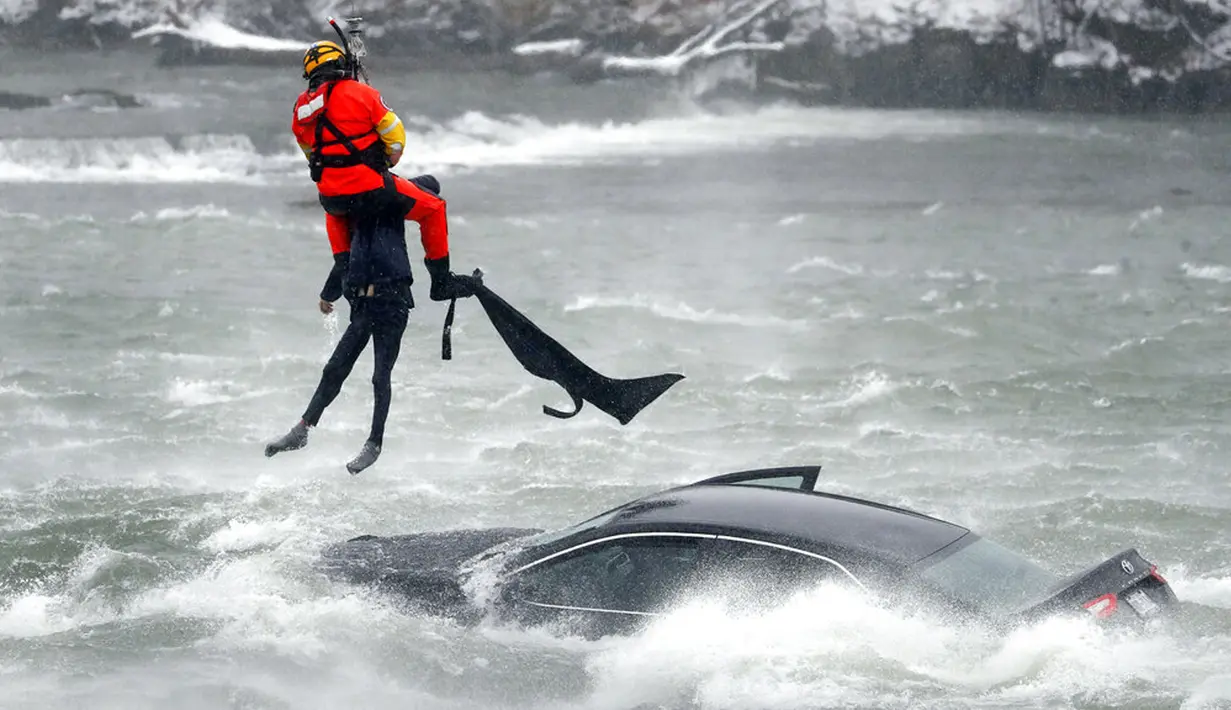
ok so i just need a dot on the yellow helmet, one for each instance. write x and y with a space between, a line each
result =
321 53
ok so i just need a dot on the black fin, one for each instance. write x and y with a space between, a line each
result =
544 357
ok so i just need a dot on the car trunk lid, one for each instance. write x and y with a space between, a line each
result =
1125 586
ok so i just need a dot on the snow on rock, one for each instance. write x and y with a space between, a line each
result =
216 33
1098 53
1130 41
15 11
650 28
125 13
571 47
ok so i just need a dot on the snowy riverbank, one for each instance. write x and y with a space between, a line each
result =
1090 55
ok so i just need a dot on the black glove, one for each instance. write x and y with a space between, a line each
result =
447 285
335 284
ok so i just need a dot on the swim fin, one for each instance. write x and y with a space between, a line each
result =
546 358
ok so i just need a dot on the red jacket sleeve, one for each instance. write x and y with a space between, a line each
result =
377 106
302 131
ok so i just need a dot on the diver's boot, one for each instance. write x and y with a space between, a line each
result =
296 438
367 456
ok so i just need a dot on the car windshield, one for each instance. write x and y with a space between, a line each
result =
991 577
518 544
550 536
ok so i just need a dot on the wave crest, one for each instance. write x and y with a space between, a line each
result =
680 311
472 140
146 159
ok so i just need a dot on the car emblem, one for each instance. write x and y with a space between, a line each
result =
1126 566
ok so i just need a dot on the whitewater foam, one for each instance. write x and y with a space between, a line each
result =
1211 591
19 391
68 600
34 614
1145 216
176 214
825 262
243 535
473 140
1209 272
151 159
679 310
865 388
836 647
776 372
1214 693
476 139
201 393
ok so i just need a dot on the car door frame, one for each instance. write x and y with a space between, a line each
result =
842 569
706 551
619 616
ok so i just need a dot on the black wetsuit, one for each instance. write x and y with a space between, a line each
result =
380 318
375 279
372 270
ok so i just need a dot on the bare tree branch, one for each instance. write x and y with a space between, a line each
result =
702 45
1203 41
764 7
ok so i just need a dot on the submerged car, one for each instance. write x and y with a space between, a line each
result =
753 537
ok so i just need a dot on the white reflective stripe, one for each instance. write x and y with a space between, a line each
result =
396 122
554 555
311 107
805 553
585 608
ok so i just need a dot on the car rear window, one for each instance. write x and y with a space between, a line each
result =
991 577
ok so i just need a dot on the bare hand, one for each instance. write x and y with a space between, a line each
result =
326 307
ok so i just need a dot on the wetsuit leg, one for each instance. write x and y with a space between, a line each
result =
390 313
340 364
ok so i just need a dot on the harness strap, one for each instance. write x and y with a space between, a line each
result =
446 337
372 156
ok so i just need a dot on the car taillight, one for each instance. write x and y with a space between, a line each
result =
1157 575
1103 606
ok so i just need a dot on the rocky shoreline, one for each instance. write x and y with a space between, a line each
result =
1123 56
949 69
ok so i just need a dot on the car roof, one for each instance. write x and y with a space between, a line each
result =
861 526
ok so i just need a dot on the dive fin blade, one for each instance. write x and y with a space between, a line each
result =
544 357
624 399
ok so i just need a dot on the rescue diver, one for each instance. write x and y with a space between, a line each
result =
352 139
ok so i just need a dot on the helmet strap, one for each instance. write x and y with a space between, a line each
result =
326 74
